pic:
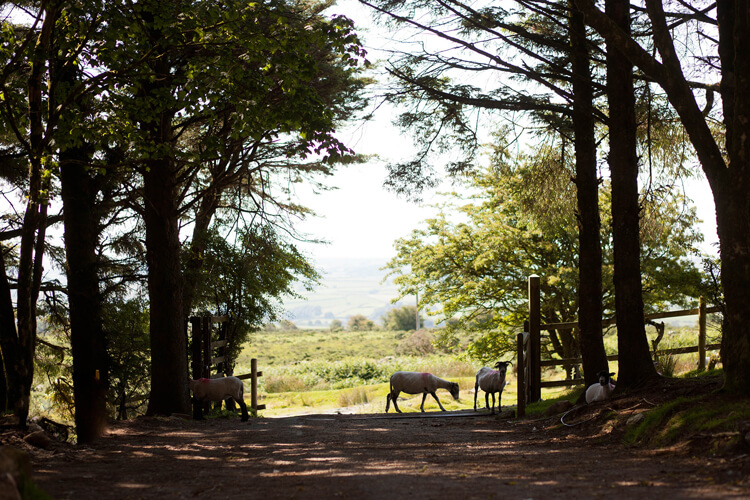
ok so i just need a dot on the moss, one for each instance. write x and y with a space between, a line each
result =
686 417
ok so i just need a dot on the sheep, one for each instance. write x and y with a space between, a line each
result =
602 390
491 382
418 383
218 389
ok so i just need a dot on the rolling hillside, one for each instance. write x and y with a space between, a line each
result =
348 287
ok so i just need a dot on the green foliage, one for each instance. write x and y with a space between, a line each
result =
473 269
360 323
401 318
247 279
419 343
129 352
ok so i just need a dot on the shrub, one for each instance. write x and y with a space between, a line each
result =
418 343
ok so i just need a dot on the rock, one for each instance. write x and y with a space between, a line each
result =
15 465
636 419
40 439
35 427
558 407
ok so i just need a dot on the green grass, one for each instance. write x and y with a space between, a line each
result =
309 371
685 416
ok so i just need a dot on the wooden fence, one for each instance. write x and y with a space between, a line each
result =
528 346
209 355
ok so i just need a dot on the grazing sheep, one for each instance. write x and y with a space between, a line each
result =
418 383
602 390
491 382
218 389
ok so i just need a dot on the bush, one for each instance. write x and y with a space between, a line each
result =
418 343
360 323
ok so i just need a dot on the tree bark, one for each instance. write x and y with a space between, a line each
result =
591 341
168 336
34 222
635 364
169 370
8 343
731 195
730 182
90 366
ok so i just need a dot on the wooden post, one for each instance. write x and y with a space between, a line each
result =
521 377
206 344
254 374
195 346
701 334
535 342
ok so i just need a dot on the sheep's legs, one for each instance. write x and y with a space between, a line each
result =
243 407
487 400
424 396
393 396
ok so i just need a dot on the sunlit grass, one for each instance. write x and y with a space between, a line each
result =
321 371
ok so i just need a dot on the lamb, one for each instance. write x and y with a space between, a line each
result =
218 389
418 383
602 390
491 382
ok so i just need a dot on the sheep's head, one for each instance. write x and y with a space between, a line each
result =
502 366
605 377
454 390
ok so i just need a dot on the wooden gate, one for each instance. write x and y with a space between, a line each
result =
210 356
528 346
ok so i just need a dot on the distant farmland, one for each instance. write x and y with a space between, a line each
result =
348 287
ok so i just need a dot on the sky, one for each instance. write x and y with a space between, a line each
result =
361 219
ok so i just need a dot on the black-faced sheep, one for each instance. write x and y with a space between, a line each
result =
602 390
219 389
418 383
491 382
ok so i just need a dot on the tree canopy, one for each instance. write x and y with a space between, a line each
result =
472 268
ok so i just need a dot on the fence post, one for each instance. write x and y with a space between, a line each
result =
254 383
521 376
701 334
535 343
195 345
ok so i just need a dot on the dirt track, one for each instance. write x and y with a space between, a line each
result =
378 456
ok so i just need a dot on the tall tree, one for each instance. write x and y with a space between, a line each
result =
635 365
728 178
27 56
543 67
224 90
590 338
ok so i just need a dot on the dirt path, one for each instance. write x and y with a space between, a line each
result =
378 456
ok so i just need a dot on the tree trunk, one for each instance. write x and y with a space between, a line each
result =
34 222
731 194
8 343
169 382
591 341
729 183
90 366
168 336
635 364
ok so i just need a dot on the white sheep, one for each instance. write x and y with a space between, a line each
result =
218 389
602 390
418 383
491 382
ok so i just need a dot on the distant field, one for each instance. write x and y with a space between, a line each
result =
348 287
318 371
